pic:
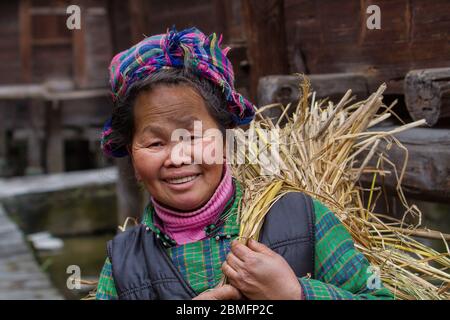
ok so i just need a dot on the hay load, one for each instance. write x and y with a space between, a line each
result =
323 150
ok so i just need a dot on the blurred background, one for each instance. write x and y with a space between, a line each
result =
61 199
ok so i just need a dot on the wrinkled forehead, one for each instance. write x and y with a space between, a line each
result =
180 105
170 99
169 123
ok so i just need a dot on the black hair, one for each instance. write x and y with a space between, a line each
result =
122 120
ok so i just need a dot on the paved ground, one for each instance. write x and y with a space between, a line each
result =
20 275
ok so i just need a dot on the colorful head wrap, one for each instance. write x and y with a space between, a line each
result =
189 48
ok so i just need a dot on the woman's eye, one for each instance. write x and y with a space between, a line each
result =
155 144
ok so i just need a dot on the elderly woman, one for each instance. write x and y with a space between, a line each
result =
186 240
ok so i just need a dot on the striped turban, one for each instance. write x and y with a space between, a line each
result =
190 49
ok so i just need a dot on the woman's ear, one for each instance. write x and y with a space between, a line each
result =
136 174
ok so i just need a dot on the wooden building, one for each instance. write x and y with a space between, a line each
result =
270 39
330 41
53 85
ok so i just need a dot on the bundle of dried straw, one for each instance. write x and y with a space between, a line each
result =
323 151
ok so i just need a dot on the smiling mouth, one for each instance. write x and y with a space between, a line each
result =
181 180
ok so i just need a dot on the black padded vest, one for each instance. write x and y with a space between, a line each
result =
142 269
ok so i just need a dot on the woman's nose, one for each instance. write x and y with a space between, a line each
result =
180 154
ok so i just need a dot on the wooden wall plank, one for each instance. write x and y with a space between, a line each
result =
25 40
10 69
427 174
427 94
54 139
98 50
263 22
333 37
79 51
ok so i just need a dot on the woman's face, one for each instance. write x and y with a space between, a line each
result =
167 167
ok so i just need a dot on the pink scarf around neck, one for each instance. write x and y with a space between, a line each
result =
186 227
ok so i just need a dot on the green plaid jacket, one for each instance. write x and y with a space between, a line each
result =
341 272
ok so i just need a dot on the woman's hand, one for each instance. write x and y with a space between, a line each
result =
225 292
260 273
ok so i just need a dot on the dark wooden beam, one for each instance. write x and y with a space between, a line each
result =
54 138
285 89
119 24
79 53
3 146
427 174
25 39
124 32
221 13
34 152
427 94
139 23
129 196
263 22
